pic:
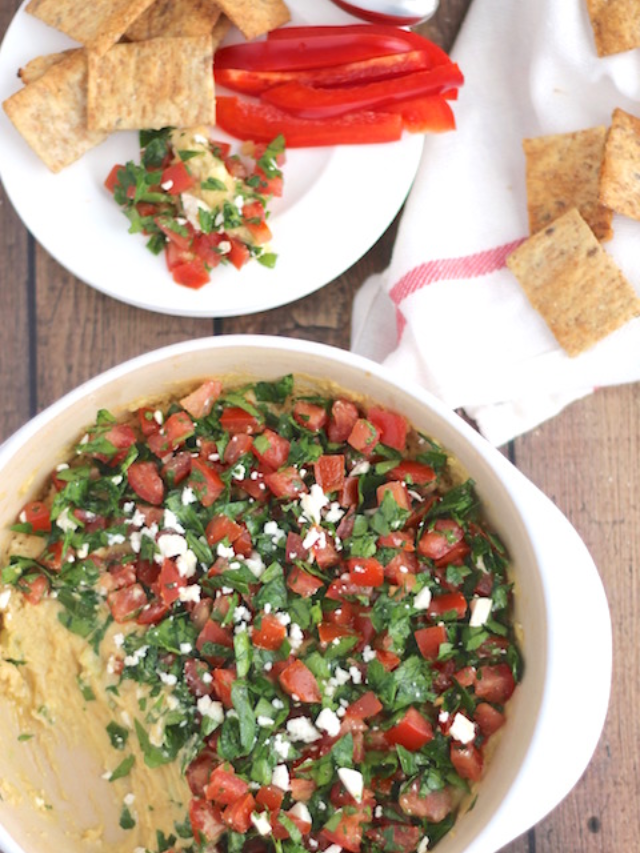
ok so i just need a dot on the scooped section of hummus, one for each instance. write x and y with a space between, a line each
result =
261 617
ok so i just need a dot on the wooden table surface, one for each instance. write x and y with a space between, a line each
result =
57 332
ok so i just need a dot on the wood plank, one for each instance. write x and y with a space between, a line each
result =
81 332
587 461
15 288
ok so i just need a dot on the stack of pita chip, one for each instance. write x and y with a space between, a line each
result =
143 64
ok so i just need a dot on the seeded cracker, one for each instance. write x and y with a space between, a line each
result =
35 68
50 113
174 18
563 171
573 283
620 176
255 17
97 24
153 84
616 25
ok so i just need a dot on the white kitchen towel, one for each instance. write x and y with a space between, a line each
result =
447 313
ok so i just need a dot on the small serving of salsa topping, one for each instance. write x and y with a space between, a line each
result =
198 202
314 587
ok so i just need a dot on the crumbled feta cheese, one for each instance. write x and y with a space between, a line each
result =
271 529
462 729
241 614
188 496
377 812
224 246
368 654
480 611
423 845
115 539
362 467
328 721
340 676
422 599
283 618
186 648
443 717
281 747
186 564
225 551
135 658
239 472
166 185
171 521
302 812
315 536
172 545
356 675
296 637
334 513
352 781
190 593
207 707
264 721
278 704
168 678
313 502
83 551
261 822
118 640
255 565
191 205
5 595
280 777
302 729
66 522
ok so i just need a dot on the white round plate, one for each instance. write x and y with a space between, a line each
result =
337 202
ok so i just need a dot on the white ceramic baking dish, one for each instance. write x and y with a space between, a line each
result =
560 601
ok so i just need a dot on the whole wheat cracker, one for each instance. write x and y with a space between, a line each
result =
174 18
620 174
255 17
615 24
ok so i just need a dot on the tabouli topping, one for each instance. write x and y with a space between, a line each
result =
321 610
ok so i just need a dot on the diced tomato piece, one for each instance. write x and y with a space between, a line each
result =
271 448
205 482
430 639
177 468
253 216
271 633
146 420
238 445
179 236
447 603
398 539
322 548
224 786
194 670
239 253
207 248
328 632
413 731
198 772
310 415
344 415
398 837
236 420
36 513
302 789
365 571
170 581
368 705
237 816
222 527
270 186
117 577
178 428
280 832
435 806
392 427
364 436
401 570
206 821
179 178
270 797
127 602
348 832
34 589
438 542
466 677
303 583
349 493
223 680
111 181
263 122
467 760
51 557
329 472
298 680
200 402
495 683
286 483
340 588
146 482
398 492
488 718
214 632
414 473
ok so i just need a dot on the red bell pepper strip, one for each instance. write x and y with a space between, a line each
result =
262 122
415 40
429 114
310 51
364 71
308 102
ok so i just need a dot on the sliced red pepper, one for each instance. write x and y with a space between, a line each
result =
261 122
426 114
311 50
308 102
252 82
415 40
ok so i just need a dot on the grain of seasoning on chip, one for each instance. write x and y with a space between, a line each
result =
562 172
174 18
620 175
573 283
153 84
96 24
255 17
50 113
616 25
